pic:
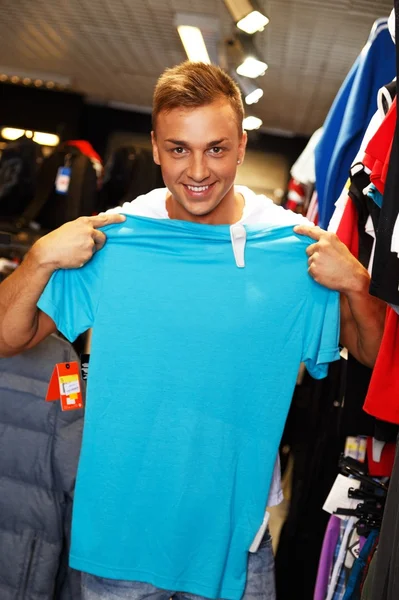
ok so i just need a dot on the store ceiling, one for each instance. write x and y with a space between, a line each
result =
114 50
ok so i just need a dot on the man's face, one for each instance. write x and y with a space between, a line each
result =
198 150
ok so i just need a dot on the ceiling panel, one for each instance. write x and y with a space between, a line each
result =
114 50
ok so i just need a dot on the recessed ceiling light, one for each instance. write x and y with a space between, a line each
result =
252 67
254 96
251 123
253 22
193 43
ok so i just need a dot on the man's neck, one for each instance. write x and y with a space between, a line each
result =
226 213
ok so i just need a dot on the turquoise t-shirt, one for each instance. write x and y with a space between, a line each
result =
192 369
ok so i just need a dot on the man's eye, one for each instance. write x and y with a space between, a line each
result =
178 150
216 150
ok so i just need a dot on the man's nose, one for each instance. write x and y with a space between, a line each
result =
198 169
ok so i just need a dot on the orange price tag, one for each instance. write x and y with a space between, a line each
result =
65 386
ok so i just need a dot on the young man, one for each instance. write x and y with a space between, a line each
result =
173 483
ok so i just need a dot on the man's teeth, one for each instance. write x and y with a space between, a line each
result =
201 188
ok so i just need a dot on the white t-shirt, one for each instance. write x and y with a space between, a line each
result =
258 210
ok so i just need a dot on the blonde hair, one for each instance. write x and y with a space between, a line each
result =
194 84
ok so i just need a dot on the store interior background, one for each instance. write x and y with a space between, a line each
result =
104 57
86 69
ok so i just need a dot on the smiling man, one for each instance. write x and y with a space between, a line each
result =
202 310
199 172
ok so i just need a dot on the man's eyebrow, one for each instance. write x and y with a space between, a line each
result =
209 145
177 142
217 142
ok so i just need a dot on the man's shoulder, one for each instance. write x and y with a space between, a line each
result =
147 205
261 210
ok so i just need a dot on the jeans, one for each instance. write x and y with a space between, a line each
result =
260 582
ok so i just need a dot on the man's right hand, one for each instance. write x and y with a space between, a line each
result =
72 245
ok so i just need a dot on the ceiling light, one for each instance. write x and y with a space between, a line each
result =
193 30
10 133
253 22
193 43
251 91
252 67
245 16
254 96
251 123
45 139
23 75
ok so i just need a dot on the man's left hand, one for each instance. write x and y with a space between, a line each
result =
331 263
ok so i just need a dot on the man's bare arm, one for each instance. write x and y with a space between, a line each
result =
22 324
362 316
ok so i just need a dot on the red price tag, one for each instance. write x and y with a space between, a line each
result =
65 386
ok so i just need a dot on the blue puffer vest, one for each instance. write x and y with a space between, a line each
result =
39 452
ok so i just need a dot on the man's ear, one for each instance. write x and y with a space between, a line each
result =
242 146
155 150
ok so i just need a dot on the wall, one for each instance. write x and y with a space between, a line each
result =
41 110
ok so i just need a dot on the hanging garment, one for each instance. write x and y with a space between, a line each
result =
347 230
385 273
368 216
336 586
129 173
357 163
51 207
39 451
313 210
368 583
353 591
375 195
385 585
378 151
380 464
296 196
354 421
312 432
86 148
303 170
167 445
382 399
327 557
349 117
19 167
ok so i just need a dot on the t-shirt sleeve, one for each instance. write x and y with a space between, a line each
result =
321 340
71 297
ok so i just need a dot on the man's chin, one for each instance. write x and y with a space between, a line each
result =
200 211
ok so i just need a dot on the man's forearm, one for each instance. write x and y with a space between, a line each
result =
19 294
362 326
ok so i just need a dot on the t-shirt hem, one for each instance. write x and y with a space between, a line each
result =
328 356
319 369
179 585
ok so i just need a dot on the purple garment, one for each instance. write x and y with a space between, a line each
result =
362 541
327 557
